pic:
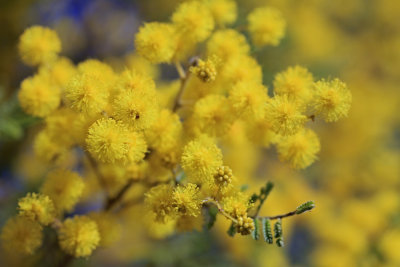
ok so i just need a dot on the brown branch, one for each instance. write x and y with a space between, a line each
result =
111 201
289 214
220 209
184 76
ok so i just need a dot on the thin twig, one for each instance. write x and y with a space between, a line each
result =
220 209
113 200
292 213
184 76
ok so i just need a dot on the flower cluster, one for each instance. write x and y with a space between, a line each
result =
163 146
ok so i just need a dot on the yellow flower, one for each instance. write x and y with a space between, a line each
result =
193 21
60 71
47 148
332 100
241 68
38 45
223 11
165 132
266 26
299 149
137 146
136 108
107 140
58 125
186 201
156 42
79 236
206 70
212 115
226 44
159 201
39 96
87 93
63 187
285 115
200 158
21 235
295 82
248 100
37 207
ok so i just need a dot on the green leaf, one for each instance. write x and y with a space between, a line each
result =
278 233
232 230
309 205
267 189
212 213
267 231
256 232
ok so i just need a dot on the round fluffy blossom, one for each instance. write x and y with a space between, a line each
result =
266 26
295 82
63 187
186 201
37 207
47 147
285 115
332 100
20 235
137 146
107 140
135 81
242 68
226 44
300 150
87 93
38 45
39 96
212 115
248 100
223 11
156 42
159 201
79 236
200 158
60 71
136 108
165 132
193 21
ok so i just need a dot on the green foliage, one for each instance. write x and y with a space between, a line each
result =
212 213
232 230
278 233
255 233
267 231
309 205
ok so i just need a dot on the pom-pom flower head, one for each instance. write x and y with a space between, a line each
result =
200 158
38 45
87 93
300 149
226 44
223 11
186 201
159 200
285 115
37 207
266 26
79 236
332 100
20 235
248 100
193 21
296 82
63 187
39 96
156 42
107 140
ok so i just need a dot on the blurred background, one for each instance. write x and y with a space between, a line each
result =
355 182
